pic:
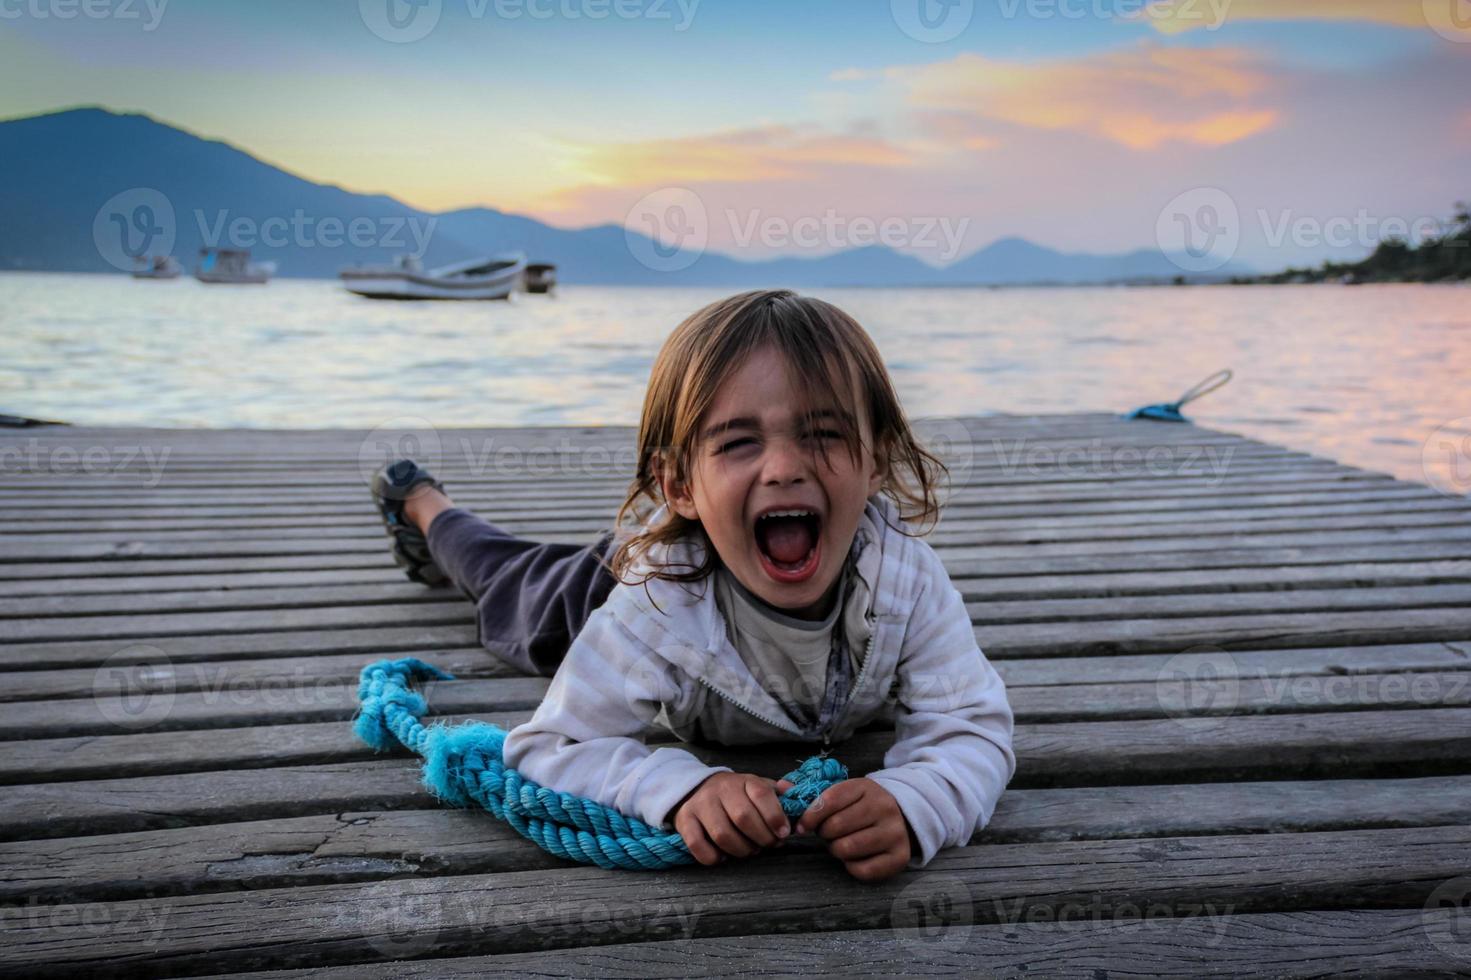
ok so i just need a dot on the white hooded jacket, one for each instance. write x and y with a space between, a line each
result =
634 665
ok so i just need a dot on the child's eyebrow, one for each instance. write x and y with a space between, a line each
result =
748 422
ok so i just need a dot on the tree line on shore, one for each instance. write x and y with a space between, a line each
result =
1444 258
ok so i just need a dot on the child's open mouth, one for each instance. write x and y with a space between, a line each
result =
790 544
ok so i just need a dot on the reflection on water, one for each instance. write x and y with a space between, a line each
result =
1364 374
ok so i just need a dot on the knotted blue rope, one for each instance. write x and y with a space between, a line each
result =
1170 411
463 766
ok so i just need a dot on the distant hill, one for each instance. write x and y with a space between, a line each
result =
83 189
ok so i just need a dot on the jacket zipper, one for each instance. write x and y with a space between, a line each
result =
827 735
749 710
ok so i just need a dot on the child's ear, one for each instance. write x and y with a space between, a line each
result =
880 467
676 492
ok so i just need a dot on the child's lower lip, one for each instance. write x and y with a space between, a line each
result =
793 576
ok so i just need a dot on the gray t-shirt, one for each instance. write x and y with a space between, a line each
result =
791 657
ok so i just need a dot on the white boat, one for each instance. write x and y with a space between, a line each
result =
485 277
232 266
157 267
541 277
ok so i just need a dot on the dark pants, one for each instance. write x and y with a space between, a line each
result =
530 598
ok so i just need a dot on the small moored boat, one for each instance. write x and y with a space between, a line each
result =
485 277
157 267
232 266
540 277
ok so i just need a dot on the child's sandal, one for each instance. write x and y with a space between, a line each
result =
391 486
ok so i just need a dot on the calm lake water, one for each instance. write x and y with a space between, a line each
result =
1370 375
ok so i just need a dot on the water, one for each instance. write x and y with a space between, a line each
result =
1367 375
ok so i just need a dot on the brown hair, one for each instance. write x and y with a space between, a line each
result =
817 340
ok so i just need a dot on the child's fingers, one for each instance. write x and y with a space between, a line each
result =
770 810
750 821
833 800
878 867
862 844
699 843
727 837
782 785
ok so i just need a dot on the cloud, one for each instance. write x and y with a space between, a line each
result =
754 154
1141 97
1177 16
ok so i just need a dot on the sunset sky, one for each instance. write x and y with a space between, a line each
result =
1072 123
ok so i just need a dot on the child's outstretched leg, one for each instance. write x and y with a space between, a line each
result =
531 598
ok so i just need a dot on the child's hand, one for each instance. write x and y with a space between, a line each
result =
864 828
730 813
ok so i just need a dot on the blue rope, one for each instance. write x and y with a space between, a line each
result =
463 766
1170 411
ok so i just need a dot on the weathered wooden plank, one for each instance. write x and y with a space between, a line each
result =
285 700
162 673
86 498
373 845
335 509
142 575
1358 942
1368 744
991 600
365 536
227 676
518 911
374 552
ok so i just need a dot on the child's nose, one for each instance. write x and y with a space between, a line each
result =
785 462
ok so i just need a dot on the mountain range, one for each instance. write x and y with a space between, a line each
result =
84 190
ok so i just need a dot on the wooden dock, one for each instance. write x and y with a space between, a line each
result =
1241 677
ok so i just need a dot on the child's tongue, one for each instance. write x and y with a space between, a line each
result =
786 539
